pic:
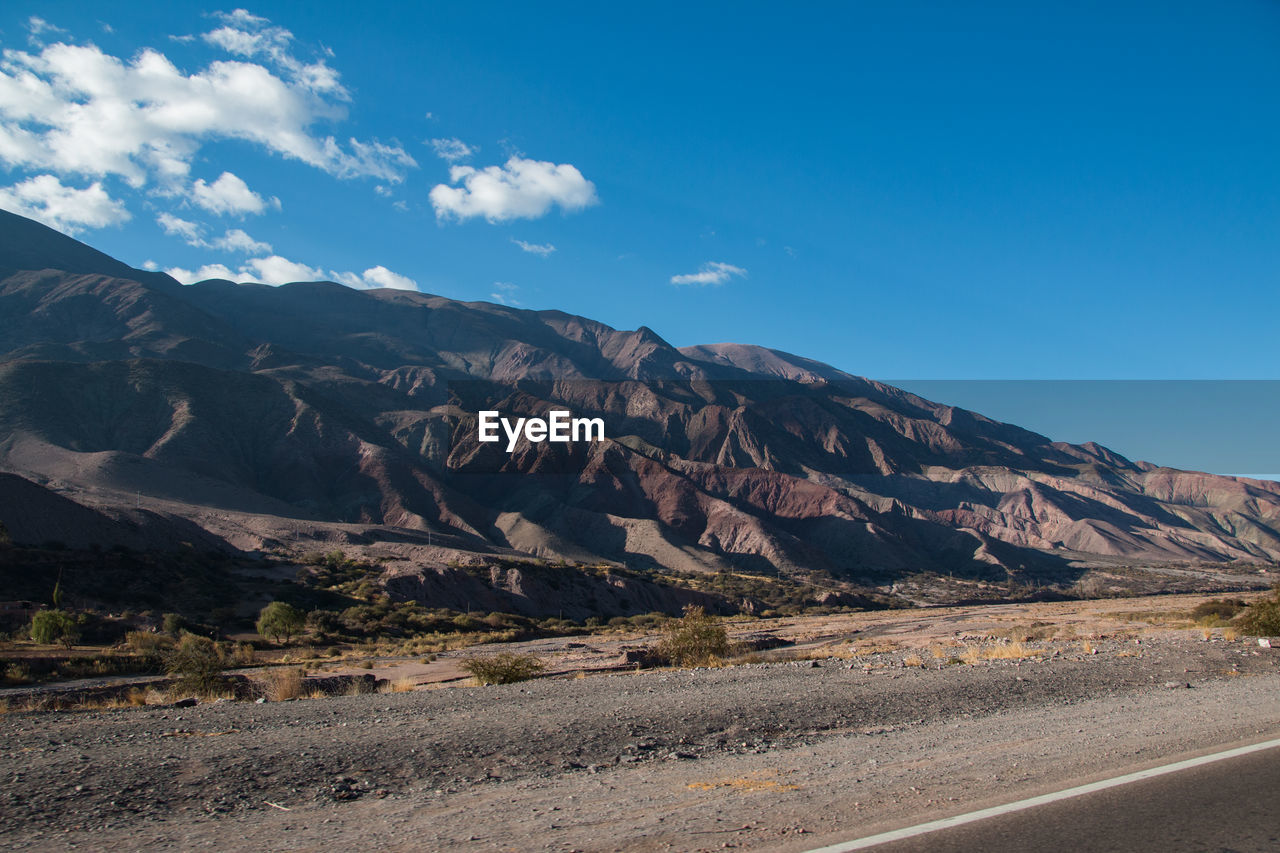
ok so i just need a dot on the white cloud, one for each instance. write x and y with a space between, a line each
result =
38 26
205 272
175 227
250 36
375 277
229 194
276 270
453 149
521 189
506 297
711 273
235 240
46 199
76 110
540 249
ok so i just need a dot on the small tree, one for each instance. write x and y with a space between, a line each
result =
54 626
197 664
280 620
694 639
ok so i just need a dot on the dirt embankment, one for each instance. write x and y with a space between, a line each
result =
770 756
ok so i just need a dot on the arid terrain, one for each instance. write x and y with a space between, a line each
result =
869 721
256 420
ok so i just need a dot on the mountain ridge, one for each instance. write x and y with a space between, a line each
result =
352 414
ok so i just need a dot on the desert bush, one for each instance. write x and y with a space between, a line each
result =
172 624
242 654
147 642
280 620
1262 618
17 673
503 668
1217 610
324 622
54 626
282 683
695 639
197 664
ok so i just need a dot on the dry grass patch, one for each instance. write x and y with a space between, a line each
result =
913 660
277 685
755 782
1011 651
401 685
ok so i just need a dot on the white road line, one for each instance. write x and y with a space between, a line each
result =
971 817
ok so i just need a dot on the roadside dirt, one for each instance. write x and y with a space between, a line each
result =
768 756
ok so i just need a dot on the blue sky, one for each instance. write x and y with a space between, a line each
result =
931 190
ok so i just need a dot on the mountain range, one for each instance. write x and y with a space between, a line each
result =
279 419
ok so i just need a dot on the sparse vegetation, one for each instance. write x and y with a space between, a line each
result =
282 683
147 642
173 624
695 639
1262 618
280 621
197 664
54 626
503 668
1216 611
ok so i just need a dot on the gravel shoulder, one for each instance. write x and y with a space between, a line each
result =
773 756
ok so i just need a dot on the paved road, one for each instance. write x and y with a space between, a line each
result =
1228 806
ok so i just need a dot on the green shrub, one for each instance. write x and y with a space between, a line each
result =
280 620
695 639
197 664
504 668
54 626
147 641
172 624
1262 618
1217 610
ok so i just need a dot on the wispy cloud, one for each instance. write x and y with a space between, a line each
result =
519 189
192 233
451 149
504 293
714 273
540 249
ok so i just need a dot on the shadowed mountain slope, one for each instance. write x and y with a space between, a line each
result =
259 412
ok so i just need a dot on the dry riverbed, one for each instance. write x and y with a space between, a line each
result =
886 719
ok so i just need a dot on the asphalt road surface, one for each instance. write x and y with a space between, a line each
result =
1227 806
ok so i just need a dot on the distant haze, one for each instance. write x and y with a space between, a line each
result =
1218 426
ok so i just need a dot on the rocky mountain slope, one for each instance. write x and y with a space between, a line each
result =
274 417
